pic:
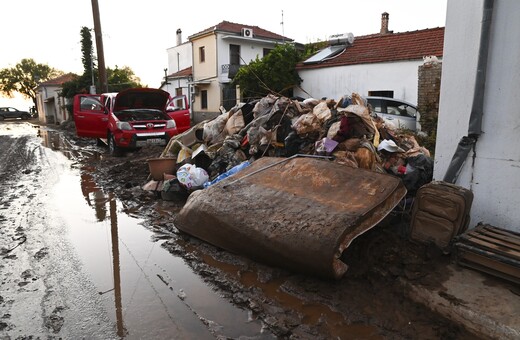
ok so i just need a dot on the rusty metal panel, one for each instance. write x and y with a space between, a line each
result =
299 213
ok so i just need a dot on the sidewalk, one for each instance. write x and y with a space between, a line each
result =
483 304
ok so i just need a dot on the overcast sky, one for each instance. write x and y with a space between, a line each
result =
137 33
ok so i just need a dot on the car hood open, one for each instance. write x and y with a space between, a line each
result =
141 98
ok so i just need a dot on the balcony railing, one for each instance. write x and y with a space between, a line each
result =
230 69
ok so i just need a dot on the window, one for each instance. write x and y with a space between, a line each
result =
400 109
385 93
202 54
204 99
90 103
234 54
376 104
267 51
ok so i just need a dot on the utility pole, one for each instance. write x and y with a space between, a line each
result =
283 33
99 45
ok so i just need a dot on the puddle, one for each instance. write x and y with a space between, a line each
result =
150 292
147 291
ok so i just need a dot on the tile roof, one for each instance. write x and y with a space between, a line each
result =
231 27
58 81
377 48
182 73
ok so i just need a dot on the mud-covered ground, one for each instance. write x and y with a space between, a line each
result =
369 302
369 294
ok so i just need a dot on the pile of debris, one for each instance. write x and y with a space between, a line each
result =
344 130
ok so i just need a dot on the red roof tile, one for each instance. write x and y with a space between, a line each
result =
182 73
377 48
231 27
58 81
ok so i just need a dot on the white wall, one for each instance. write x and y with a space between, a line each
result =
179 57
51 107
334 82
495 175
249 50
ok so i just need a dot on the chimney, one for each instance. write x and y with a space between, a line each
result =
179 36
384 23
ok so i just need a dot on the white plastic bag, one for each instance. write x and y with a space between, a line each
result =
192 177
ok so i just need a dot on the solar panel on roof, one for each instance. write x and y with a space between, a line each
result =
325 53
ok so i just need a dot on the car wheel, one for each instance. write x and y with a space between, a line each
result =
99 142
1 117
25 117
113 149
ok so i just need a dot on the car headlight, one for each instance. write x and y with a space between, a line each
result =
170 124
124 126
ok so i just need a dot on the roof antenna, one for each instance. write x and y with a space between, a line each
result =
283 34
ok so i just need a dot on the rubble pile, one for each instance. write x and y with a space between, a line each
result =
344 130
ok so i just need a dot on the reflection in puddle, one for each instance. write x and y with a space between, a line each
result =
148 292
57 142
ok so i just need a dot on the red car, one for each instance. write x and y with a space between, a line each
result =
179 110
128 120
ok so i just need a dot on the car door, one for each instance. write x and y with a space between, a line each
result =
90 116
179 111
12 113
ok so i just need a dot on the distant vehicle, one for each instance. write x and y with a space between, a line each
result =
179 110
11 112
127 120
399 113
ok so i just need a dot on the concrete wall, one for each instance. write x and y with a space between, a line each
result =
206 72
334 82
208 68
179 57
494 173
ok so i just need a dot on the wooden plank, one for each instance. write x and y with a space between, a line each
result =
483 264
502 231
498 243
502 234
492 246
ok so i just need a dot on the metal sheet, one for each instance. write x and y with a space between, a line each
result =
300 214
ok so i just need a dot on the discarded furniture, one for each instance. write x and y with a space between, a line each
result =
299 213
491 250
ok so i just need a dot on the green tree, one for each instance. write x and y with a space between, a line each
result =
275 73
118 78
122 78
24 77
87 55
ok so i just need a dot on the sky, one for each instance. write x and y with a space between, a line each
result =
138 33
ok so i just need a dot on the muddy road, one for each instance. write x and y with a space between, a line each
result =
86 253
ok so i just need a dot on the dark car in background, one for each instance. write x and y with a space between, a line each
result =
399 113
10 112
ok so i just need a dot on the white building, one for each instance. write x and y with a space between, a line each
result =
179 72
492 168
50 105
382 64
218 52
